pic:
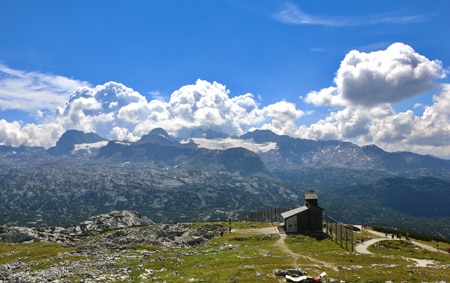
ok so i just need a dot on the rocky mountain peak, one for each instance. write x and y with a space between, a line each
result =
70 138
261 136
158 136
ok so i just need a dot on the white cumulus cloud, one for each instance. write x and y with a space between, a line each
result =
202 105
283 116
366 87
16 134
428 133
384 76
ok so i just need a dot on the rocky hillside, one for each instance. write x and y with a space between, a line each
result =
112 249
94 225
120 232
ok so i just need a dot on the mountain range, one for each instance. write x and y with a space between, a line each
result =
214 177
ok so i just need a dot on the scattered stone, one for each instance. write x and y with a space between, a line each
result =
100 254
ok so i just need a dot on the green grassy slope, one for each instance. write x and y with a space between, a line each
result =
250 253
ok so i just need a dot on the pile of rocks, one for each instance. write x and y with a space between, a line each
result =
165 235
94 225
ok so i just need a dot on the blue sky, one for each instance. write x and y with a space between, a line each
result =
372 72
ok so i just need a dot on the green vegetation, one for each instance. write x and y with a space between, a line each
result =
383 265
250 253
41 255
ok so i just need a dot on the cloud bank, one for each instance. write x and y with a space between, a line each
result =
116 111
367 85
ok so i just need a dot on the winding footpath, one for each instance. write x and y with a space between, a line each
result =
362 247
359 248
282 245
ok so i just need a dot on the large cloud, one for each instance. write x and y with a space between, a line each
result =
206 105
104 108
385 76
281 117
426 133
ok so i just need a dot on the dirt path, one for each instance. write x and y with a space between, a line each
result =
362 247
285 249
272 230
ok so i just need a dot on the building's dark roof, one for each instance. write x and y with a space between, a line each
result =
310 196
294 211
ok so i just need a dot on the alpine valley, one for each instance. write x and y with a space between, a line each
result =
214 177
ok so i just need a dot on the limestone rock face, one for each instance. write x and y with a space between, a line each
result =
94 225
109 221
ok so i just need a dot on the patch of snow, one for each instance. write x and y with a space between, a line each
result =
227 143
122 143
87 146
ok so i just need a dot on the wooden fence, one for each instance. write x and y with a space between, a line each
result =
342 234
